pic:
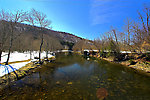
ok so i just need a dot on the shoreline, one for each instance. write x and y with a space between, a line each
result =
20 73
139 65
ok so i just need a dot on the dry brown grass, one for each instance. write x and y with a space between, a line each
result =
16 62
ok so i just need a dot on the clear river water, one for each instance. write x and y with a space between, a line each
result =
73 77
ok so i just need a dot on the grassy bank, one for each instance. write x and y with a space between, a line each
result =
20 73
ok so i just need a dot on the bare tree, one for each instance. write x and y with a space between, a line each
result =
142 30
97 43
51 44
4 31
115 35
128 34
14 19
38 18
3 36
31 19
145 20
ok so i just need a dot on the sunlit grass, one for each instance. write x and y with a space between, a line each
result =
17 62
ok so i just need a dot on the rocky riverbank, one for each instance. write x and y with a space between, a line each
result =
137 64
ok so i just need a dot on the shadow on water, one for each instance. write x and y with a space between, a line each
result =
73 77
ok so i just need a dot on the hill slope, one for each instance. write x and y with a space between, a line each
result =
28 38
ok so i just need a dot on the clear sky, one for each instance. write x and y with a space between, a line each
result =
84 18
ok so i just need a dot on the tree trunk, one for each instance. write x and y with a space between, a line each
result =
41 49
115 36
47 54
10 45
9 54
0 55
30 55
47 51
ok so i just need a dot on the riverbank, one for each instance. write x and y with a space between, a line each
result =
18 60
20 66
137 64
20 73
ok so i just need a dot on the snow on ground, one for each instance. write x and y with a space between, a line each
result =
125 51
66 50
4 70
16 56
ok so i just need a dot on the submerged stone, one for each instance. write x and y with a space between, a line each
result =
69 83
101 93
57 82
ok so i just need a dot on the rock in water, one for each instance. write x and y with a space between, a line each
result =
101 93
69 83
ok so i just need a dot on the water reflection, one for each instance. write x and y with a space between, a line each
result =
72 77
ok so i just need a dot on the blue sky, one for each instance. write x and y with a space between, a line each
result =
84 18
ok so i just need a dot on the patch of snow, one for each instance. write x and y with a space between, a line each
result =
125 51
95 50
16 56
5 69
66 50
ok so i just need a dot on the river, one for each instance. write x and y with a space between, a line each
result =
73 77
